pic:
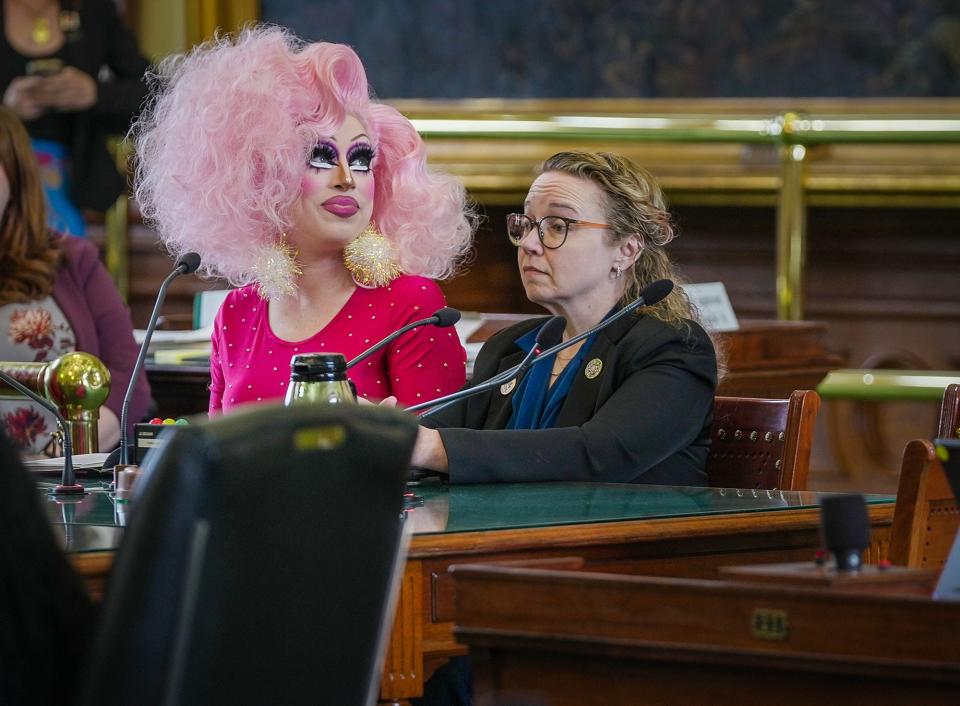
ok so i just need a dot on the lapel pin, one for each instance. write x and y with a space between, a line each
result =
593 368
507 387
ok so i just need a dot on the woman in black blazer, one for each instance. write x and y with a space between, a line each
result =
630 404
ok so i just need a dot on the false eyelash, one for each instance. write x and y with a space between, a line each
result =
362 152
324 156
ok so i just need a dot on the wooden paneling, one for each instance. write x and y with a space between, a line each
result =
563 637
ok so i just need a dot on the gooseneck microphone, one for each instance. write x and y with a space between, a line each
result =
549 335
186 263
68 482
442 318
651 294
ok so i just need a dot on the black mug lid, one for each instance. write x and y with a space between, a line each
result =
309 364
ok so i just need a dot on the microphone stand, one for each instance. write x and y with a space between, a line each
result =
651 294
511 372
443 318
551 331
188 262
68 482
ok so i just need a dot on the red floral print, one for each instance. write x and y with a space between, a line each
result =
24 426
33 327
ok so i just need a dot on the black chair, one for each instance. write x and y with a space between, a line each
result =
46 616
260 562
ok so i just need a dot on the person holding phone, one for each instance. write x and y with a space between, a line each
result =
71 71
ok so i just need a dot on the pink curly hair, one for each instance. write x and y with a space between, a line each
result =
224 142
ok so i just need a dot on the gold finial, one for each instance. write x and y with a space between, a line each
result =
77 381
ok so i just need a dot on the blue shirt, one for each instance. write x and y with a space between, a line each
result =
536 405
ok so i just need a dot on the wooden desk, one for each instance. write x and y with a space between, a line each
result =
657 530
540 636
774 358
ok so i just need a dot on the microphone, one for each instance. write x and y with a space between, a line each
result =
186 263
442 318
68 482
549 335
846 529
651 294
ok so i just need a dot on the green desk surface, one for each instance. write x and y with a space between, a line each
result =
887 385
95 522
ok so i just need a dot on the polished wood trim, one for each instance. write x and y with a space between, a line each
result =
403 666
949 425
732 525
569 637
95 568
927 515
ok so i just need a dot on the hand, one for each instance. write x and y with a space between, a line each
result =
389 401
429 451
70 90
19 97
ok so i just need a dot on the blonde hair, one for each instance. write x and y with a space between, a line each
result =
635 206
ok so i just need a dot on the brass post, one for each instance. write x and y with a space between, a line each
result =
116 246
791 252
77 383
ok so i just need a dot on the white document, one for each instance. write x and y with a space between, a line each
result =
711 300
56 464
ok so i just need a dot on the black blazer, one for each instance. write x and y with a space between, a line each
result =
644 419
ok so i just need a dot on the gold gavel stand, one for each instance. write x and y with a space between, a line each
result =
77 383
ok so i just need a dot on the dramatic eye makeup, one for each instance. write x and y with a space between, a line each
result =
324 156
359 157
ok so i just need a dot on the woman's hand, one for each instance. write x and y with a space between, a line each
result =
389 401
429 452
19 97
70 90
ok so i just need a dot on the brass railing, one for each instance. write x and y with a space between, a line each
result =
837 152
493 145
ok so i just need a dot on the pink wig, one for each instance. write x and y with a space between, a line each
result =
223 145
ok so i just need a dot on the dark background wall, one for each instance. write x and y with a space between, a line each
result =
641 48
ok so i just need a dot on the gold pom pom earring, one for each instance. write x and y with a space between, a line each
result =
276 270
371 260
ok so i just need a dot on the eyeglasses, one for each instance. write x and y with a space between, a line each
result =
551 229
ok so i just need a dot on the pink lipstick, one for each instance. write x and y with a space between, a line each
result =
342 206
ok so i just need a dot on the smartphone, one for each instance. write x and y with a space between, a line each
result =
50 66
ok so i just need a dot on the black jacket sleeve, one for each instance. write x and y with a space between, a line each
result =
649 421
